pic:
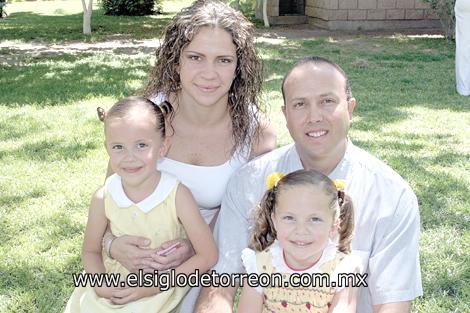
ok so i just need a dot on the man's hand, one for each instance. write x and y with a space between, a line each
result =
174 257
133 253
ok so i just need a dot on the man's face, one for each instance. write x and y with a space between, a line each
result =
317 111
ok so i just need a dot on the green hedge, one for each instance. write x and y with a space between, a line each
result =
131 7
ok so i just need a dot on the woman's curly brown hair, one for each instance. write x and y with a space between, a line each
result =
246 87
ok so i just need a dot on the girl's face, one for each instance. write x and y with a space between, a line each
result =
304 223
207 68
134 146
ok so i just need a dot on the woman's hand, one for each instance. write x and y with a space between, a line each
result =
105 292
133 253
174 257
129 294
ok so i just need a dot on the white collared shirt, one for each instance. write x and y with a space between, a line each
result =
387 223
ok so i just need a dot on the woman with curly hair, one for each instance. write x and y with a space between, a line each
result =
208 78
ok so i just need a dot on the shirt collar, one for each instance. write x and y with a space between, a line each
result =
293 159
339 172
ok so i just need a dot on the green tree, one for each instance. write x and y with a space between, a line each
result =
445 11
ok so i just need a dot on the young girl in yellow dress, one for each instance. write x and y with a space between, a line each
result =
141 201
303 226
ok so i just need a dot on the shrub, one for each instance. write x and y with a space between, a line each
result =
445 11
131 7
247 7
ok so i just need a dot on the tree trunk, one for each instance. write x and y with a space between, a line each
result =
265 13
87 16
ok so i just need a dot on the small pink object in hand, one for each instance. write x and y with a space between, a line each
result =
170 249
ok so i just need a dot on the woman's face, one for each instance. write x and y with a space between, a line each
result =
207 68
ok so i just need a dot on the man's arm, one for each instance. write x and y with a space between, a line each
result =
396 307
231 233
395 277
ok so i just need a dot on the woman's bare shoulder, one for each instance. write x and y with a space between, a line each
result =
266 140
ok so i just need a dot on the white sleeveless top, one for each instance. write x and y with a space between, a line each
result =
206 183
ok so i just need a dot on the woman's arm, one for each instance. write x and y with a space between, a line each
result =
266 140
198 232
131 251
251 301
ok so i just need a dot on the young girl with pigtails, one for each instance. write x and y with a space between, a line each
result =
303 226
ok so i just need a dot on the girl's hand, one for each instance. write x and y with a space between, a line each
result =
129 294
174 257
133 253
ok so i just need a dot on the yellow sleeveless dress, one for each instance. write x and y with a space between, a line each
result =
285 298
155 218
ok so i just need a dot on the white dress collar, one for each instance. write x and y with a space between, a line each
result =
166 184
281 266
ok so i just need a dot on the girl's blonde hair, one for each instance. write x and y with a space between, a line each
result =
264 233
246 87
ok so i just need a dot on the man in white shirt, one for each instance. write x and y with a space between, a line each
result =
318 107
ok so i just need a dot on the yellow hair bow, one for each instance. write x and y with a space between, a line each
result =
339 184
273 179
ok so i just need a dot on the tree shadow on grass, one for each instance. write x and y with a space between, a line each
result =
51 150
65 79
48 230
37 288
28 26
11 202
42 283
437 191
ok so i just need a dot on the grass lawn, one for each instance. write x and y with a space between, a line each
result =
52 156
